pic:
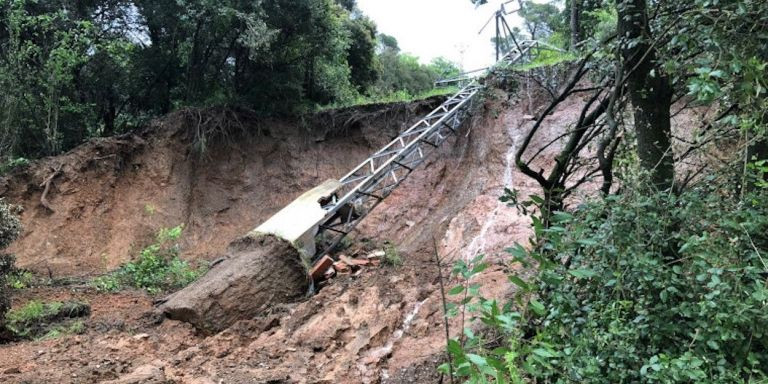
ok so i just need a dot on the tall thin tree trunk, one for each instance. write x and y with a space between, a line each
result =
649 90
575 23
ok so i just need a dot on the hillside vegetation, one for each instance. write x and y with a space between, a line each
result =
74 70
649 243
633 139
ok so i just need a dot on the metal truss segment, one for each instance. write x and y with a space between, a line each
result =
368 184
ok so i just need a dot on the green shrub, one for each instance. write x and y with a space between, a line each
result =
158 268
658 288
10 229
38 319
13 164
10 225
391 255
637 288
20 279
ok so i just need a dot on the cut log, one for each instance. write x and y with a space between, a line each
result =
259 272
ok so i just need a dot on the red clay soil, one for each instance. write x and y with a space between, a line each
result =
381 325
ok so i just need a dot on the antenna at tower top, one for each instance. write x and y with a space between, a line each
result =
503 32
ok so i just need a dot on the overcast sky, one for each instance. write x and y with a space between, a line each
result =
432 28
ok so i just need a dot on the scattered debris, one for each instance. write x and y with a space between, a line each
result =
376 254
46 184
321 268
145 374
341 267
354 263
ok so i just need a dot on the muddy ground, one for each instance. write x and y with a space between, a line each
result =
381 325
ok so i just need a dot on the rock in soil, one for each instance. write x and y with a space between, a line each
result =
145 374
260 271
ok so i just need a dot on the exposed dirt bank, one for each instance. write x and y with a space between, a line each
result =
110 196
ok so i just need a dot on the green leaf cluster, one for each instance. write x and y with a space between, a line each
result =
641 287
44 320
158 268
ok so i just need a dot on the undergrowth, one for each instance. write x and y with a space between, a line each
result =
20 279
547 59
401 96
391 255
39 320
158 268
642 287
10 229
11 164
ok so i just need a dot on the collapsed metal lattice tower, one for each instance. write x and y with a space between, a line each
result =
368 184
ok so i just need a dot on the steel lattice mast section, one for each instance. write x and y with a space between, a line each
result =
376 177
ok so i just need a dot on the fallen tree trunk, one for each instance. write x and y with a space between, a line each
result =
259 271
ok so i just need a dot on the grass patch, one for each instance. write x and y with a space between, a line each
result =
75 327
394 97
157 269
547 59
391 255
46 320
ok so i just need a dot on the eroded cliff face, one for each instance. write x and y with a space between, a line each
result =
110 196
381 324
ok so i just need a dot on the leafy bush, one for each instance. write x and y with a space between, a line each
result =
158 267
640 287
10 225
47 320
20 279
391 255
10 229
13 164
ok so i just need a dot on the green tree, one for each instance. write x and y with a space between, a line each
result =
444 68
650 91
361 54
79 69
44 51
387 43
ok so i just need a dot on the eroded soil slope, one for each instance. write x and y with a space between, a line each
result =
110 196
382 324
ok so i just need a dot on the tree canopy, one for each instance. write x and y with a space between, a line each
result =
80 69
